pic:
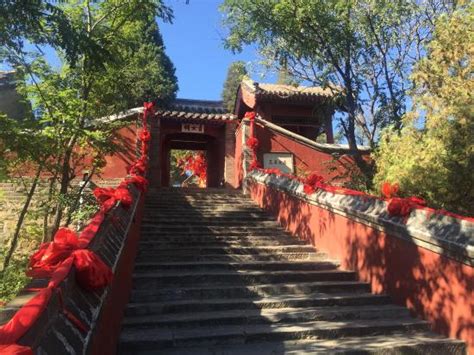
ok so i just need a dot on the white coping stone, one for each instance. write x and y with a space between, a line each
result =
442 234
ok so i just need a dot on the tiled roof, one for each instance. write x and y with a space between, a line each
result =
287 93
184 109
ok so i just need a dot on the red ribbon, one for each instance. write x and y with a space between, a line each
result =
312 183
108 197
148 109
402 207
91 272
390 190
139 181
144 135
250 115
252 143
139 167
56 258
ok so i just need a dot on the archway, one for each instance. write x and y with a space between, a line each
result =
195 142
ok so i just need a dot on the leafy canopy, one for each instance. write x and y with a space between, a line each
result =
433 155
236 72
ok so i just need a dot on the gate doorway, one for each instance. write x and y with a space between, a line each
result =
206 146
188 168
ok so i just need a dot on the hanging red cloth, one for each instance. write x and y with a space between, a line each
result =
108 197
139 181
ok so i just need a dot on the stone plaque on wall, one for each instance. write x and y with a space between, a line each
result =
282 161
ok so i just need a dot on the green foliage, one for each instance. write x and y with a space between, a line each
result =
13 279
112 58
176 174
236 72
433 156
363 50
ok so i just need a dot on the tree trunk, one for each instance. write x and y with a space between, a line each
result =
65 179
21 218
51 189
78 197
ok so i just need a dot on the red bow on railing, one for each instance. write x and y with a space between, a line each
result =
139 167
108 197
139 181
313 182
402 207
398 206
91 272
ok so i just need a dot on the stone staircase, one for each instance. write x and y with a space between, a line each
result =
216 275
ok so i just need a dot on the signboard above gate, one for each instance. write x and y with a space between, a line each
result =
282 161
192 128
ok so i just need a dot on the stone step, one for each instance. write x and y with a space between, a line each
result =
215 212
144 257
396 343
210 212
200 219
146 240
143 339
265 316
251 250
280 301
224 265
217 275
163 279
199 203
216 233
252 291
208 224
207 227
186 243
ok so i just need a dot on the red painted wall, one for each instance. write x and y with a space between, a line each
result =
238 158
118 163
432 286
109 324
306 159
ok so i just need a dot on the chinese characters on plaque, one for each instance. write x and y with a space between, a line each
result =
282 161
192 128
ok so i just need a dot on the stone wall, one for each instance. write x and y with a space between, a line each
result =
12 198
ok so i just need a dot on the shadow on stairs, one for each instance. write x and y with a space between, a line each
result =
216 275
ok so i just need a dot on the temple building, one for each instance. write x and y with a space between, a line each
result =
298 134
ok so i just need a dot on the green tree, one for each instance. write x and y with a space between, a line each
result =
67 102
235 74
363 50
433 155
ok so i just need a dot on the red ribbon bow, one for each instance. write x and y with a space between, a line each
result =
139 167
91 272
108 197
312 183
144 135
139 181
252 143
250 115
402 207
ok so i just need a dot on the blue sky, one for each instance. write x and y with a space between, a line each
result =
194 42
